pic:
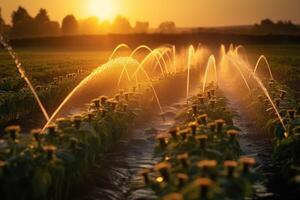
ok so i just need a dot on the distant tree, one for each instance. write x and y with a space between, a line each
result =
4 28
89 26
141 27
69 25
22 23
43 26
121 25
167 27
267 26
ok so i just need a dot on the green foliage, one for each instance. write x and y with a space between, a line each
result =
44 164
201 157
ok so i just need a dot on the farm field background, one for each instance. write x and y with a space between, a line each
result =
43 65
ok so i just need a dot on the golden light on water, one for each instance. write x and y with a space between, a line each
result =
104 9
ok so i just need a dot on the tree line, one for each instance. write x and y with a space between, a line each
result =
25 25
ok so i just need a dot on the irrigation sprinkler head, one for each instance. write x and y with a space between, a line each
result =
202 119
291 114
212 126
50 150
145 174
13 131
183 158
174 133
202 140
193 126
162 140
220 124
247 162
173 196
232 134
204 184
163 169
182 179
230 165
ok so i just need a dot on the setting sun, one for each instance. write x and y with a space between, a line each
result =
104 9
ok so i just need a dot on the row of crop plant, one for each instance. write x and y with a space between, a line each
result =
45 164
201 158
285 133
17 105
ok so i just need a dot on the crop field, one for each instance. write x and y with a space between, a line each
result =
197 122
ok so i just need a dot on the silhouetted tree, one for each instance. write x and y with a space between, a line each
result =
69 25
22 23
43 25
89 26
4 28
167 27
121 25
267 26
141 27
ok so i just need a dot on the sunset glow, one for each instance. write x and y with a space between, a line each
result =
104 9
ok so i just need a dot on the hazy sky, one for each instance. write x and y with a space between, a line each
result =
183 12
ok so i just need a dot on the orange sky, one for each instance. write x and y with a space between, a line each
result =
183 12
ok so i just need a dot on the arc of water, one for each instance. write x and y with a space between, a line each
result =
154 91
240 47
144 61
231 48
98 70
262 57
131 55
161 54
23 75
174 54
263 88
123 45
211 61
191 52
240 72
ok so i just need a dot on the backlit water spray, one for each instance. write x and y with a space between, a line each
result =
23 75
